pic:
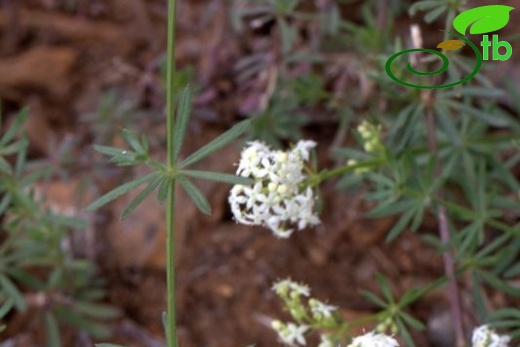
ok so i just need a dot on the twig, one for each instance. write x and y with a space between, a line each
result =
382 15
444 232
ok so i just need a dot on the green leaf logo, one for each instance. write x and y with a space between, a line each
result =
483 19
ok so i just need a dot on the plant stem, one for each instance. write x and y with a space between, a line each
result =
171 333
340 170
444 231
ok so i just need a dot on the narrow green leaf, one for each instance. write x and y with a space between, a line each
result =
132 141
166 185
217 143
218 177
123 189
506 324
99 311
506 313
434 14
15 127
35 176
91 327
385 288
496 119
447 124
164 320
195 194
399 227
422 6
393 208
497 283
513 271
374 299
480 92
20 275
478 296
287 35
5 167
52 330
6 307
144 142
182 120
21 159
10 289
110 151
409 297
411 321
403 331
141 196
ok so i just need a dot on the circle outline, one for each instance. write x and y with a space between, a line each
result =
478 65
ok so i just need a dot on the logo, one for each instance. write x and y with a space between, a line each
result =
479 20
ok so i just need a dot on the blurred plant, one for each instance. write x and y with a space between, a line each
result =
38 270
114 109
450 154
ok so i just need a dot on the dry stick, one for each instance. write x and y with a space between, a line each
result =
382 15
444 232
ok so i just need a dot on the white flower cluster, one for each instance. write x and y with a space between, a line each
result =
485 337
293 334
371 136
326 341
276 199
290 333
284 287
374 340
321 310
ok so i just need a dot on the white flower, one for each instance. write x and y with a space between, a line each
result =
325 341
485 337
303 148
320 309
290 333
284 286
374 340
276 199
294 333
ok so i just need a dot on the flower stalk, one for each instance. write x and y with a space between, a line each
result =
171 331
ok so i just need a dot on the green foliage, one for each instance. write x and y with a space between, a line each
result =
36 271
454 150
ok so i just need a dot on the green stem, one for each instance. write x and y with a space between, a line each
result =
171 333
327 174
369 164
